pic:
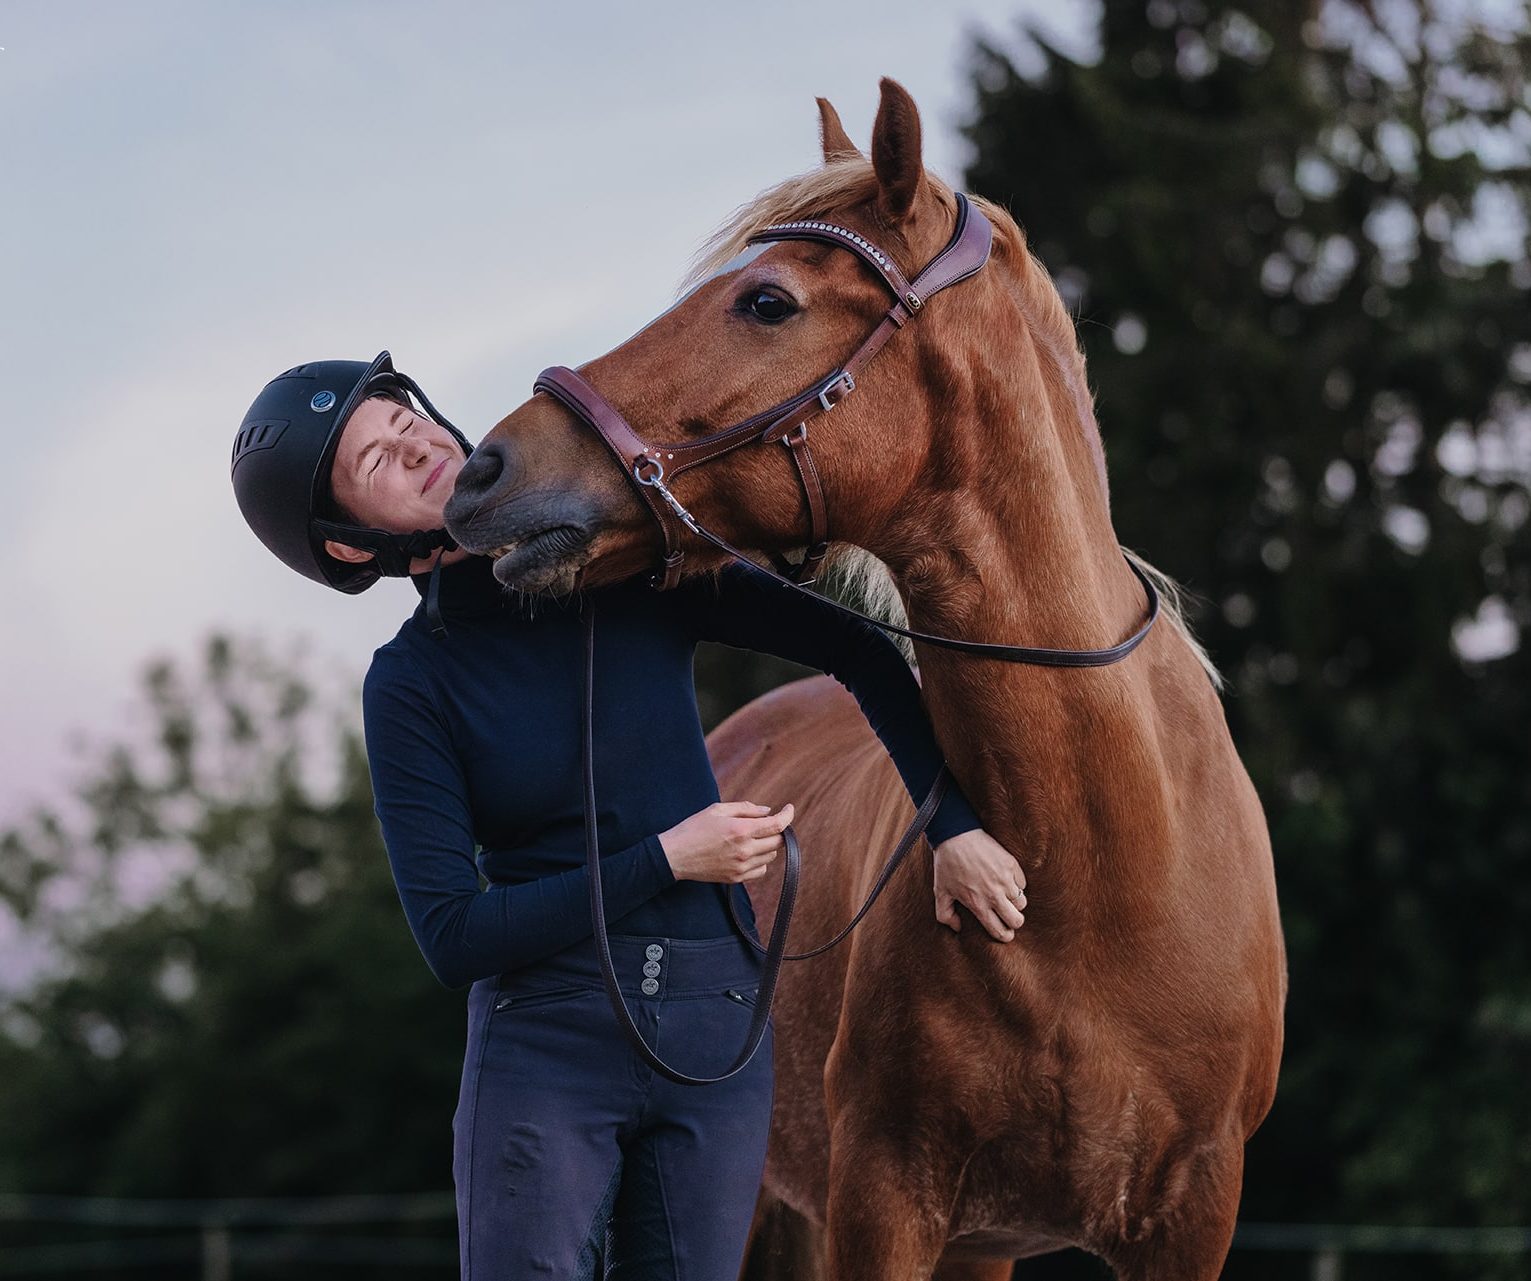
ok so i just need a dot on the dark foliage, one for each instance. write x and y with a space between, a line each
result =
1296 248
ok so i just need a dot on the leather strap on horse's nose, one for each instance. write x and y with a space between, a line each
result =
638 459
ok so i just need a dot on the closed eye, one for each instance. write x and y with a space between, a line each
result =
379 461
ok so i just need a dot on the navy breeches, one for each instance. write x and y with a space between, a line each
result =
574 1159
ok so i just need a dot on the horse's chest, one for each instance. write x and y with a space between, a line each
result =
1011 1187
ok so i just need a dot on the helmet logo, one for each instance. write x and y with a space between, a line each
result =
323 402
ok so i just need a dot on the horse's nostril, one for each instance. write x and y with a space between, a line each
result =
483 470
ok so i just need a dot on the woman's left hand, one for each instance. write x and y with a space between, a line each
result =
974 869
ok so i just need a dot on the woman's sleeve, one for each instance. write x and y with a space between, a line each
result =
750 610
420 797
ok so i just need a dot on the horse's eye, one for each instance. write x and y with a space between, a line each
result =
768 307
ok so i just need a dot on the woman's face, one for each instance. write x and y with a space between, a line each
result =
394 469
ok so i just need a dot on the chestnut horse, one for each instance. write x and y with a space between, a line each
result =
946 1104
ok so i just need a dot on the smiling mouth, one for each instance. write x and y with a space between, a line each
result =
431 479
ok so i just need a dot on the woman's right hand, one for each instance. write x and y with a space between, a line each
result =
728 841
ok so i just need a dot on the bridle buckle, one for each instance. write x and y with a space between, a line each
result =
845 381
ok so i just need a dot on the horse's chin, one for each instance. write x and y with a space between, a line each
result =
547 561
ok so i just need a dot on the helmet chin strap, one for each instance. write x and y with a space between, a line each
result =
394 552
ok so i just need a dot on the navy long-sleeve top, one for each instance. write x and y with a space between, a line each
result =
473 741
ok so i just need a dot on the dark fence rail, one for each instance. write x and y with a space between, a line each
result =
214 1236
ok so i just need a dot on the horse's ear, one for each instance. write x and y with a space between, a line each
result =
896 152
836 142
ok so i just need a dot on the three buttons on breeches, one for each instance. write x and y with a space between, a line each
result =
650 983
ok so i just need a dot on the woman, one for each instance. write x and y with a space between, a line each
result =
561 1131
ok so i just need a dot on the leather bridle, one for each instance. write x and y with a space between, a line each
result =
647 467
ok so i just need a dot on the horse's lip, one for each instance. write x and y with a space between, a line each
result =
525 551
525 540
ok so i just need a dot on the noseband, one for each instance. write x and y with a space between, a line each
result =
647 467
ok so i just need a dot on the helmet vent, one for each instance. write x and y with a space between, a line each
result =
261 434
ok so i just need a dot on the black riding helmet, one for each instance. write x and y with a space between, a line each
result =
281 463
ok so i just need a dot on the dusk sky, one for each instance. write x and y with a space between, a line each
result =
197 197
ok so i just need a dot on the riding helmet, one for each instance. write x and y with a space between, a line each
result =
283 453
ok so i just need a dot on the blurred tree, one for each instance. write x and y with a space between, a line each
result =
234 1005
1295 237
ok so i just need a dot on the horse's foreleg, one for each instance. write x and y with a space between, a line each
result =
886 1221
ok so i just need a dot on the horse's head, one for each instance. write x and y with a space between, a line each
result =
760 324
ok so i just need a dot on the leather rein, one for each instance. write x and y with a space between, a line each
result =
647 466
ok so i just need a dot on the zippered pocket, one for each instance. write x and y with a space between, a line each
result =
744 996
536 996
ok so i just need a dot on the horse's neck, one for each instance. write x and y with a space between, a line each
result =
1060 762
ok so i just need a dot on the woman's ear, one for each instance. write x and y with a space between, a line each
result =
345 552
